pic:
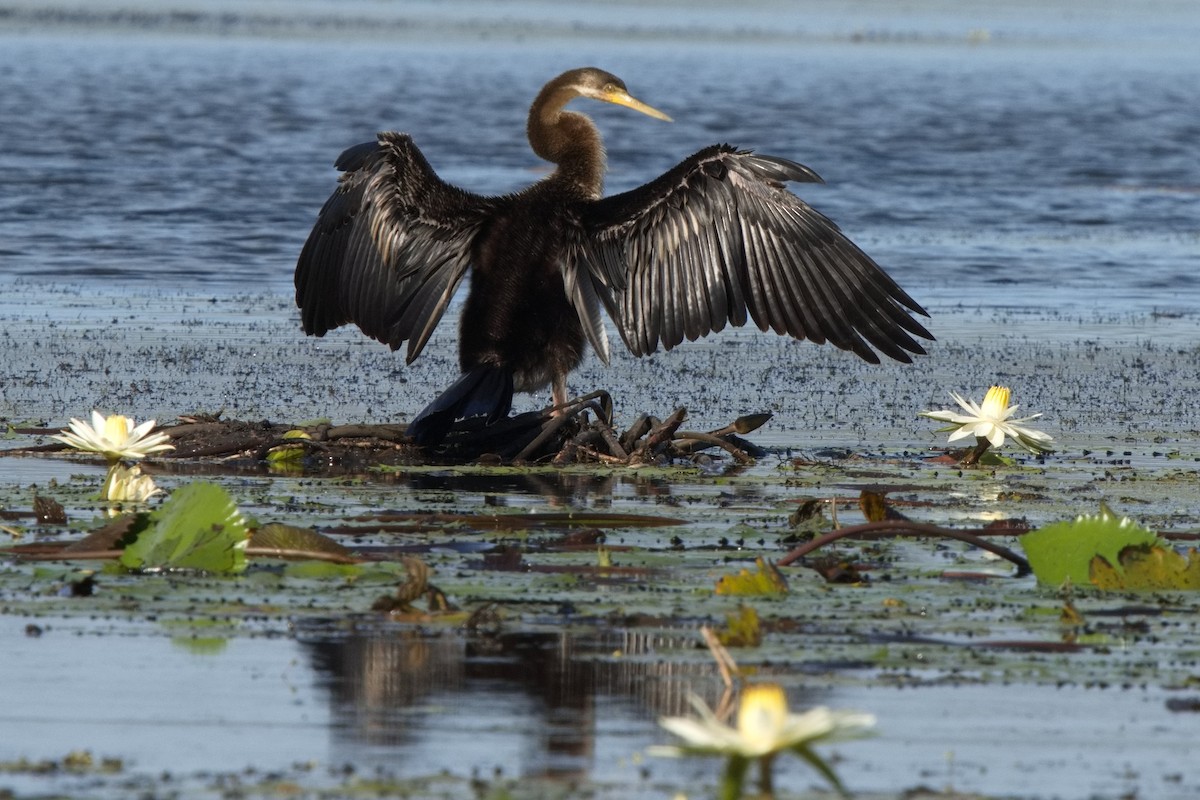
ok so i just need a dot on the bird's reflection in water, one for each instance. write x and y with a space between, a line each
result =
542 692
555 488
594 491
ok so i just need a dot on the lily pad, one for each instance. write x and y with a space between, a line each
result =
742 628
199 527
766 579
1145 568
1065 550
289 541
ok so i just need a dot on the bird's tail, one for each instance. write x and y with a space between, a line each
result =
483 390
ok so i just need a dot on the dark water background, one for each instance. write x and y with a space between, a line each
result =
1028 155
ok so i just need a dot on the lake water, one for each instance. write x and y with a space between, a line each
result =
1028 154
1036 161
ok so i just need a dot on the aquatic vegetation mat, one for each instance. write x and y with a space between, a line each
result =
579 432
837 572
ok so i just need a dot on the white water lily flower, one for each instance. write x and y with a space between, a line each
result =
128 485
992 421
115 437
765 727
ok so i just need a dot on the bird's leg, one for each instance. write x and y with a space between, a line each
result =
558 394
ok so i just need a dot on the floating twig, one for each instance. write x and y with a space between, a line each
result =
893 527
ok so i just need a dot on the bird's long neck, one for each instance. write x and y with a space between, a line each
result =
568 139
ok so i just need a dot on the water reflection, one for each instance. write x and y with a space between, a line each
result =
557 488
543 699
499 488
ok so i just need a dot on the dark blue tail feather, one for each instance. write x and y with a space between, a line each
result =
483 390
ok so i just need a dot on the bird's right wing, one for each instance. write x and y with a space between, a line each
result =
718 239
390 246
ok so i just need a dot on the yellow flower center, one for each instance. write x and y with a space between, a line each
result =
762 714
995 402
116 429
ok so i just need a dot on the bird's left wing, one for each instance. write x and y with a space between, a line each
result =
390 246
719 238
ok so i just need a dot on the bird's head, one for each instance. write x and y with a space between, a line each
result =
597 84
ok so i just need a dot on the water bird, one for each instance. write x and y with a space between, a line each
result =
716 240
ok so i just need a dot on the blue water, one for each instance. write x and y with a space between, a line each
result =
1025 155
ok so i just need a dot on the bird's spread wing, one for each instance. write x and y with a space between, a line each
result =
719 237
389 248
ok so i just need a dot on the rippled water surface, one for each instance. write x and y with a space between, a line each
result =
1047 159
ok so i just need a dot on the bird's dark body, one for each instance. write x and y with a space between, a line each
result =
517 314
716 240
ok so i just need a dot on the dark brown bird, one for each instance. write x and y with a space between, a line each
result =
716 240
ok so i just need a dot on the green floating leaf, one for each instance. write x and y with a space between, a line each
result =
288 541
285 453
876 508
202 645
113 536
766 579
322 570
1064 550
1144 568
743 629
198 527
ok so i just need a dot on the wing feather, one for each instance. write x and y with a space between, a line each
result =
389 247
719 240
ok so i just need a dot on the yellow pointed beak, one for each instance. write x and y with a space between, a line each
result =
629 101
